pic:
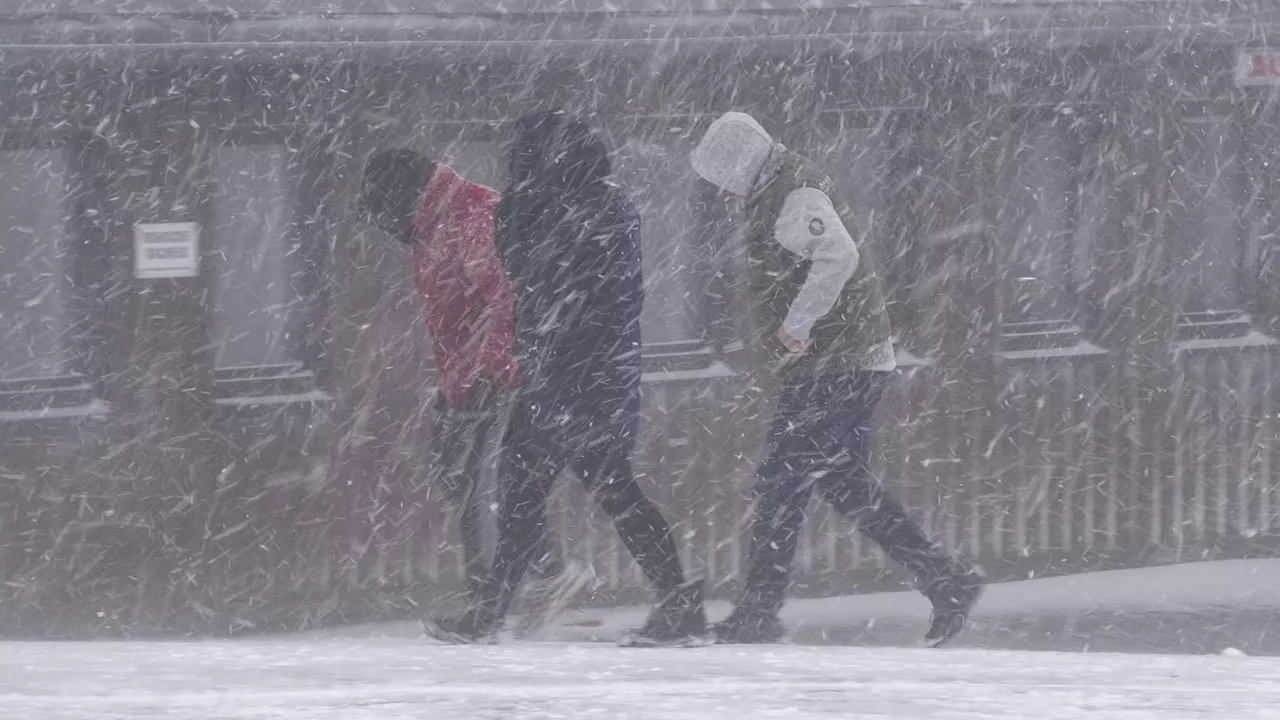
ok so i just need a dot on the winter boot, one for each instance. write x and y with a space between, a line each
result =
549 596
678 621
953 595
749 627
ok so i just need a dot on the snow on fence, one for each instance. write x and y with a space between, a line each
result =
1080 466
1048 466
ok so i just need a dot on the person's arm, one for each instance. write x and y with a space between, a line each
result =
632 265
620 284
604 298
810 227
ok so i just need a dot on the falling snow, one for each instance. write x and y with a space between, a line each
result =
224 386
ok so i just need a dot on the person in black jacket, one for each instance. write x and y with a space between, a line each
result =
469 309
570 242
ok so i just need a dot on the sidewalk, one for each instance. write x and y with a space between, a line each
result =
1189 608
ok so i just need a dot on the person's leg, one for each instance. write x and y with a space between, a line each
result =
607 473
604 466
784 484
553 586
847 483
531 459
488 401
545 560
458 443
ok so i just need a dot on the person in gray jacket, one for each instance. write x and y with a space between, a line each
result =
818 308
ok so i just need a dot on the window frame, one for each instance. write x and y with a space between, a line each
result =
906 127
1078 128
300 379
76 391
709 318
1213 327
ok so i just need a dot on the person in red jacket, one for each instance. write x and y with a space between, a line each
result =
468 303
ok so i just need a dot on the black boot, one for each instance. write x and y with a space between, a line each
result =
951 584
678 621
747 626
953 594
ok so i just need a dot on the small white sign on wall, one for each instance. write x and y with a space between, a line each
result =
166 250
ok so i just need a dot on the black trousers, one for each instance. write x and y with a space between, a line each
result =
595 441
461 436
821 439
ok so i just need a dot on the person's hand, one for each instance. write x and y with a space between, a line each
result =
792 344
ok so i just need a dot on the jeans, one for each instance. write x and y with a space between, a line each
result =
821 439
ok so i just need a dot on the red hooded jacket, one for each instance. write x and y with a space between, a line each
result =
466 296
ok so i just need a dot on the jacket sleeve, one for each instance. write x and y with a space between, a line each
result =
604 297
623 277
810 227
631 267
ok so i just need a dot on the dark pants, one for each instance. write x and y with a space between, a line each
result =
595 442
459 459
821 438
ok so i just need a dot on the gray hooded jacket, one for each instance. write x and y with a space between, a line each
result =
808 274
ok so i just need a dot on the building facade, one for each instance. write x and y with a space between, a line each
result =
1073 204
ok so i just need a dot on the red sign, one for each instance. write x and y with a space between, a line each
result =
1258 68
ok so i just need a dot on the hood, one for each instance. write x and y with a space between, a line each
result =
555 152
733 152
391 189
531 134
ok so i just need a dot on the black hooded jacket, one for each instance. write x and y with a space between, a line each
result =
569 240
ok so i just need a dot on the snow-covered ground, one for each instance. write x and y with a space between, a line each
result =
389 671
1191 607
390 679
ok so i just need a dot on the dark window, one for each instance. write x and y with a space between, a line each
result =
654 169
1042 217
1034 224
1099 228
1207 202
268 229
1205 232
33 265
256 284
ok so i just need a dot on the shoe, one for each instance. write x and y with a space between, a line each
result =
470 628
678 621
954 597
748 627
548 597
